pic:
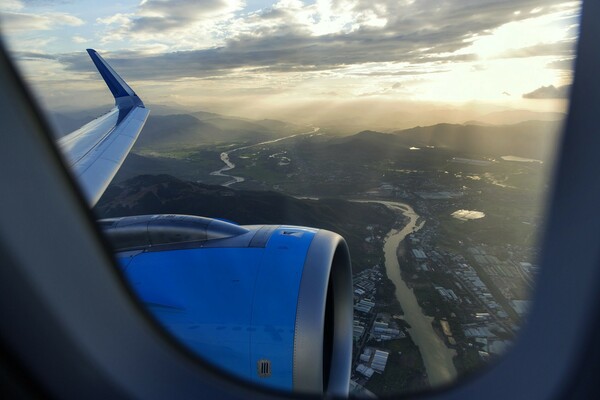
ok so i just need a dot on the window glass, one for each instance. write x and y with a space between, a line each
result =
424 132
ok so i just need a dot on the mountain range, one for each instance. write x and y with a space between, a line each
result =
176 131
531 139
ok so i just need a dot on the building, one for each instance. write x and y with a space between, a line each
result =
380 360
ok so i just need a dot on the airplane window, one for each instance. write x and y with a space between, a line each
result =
422 132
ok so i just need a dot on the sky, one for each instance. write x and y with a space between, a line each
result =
302 59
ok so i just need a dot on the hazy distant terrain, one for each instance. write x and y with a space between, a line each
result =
531 139
168 129
339 119
188 146
166 132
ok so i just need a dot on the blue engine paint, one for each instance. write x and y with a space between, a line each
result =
231 306
275 300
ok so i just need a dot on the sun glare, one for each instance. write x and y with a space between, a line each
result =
294 51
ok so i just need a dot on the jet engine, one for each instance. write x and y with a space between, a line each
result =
269 304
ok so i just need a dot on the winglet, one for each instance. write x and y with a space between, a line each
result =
123 94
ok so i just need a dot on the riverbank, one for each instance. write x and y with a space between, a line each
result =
437 357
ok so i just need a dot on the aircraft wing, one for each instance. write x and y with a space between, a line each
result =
96 151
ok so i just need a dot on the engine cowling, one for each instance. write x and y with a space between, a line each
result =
269 304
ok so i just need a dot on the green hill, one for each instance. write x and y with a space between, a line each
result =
164 194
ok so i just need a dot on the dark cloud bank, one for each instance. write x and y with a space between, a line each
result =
549 92
424 32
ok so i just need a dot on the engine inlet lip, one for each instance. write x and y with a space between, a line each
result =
327 261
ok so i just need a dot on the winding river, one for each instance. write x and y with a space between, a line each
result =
230 165
436 355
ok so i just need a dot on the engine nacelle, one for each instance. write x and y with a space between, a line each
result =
269 304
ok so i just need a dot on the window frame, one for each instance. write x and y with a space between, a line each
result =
70 322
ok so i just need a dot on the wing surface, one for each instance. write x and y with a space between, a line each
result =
97 150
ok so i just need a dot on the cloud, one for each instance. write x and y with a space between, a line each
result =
180 23
292 48
549 92
11 5
118 19
557 49
441 27
293 52
79 39
14 22
187 9
564 64
32 55
345 40
287 39
478 67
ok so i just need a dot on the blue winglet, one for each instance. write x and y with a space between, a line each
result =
123 94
